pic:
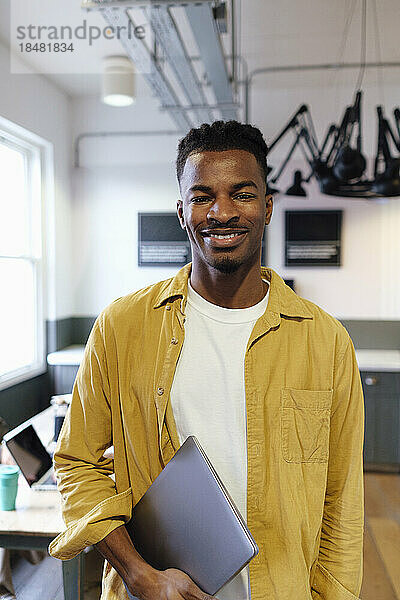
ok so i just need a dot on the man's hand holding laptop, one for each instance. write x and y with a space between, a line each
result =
173 584
142 581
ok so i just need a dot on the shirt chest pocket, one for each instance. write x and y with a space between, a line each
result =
305 424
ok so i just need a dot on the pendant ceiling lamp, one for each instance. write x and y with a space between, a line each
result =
118 84
338 163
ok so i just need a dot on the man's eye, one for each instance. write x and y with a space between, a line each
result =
244 196
200 199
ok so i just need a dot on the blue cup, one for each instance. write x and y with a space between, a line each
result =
8 486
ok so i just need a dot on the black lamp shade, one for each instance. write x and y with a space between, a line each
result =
387 187
296 189
349 164
388 183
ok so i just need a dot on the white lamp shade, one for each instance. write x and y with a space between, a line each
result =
118 81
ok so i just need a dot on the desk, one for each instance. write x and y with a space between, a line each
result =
378 360
63 367
37 519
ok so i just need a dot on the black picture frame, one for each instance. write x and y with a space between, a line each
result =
313 238
161 240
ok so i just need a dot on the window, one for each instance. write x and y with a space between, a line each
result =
21 287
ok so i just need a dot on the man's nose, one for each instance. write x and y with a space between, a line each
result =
223 209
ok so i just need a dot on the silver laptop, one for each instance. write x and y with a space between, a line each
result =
187 520
31 456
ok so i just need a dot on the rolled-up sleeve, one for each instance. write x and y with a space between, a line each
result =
91 506
339 569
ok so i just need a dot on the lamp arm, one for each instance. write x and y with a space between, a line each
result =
290 125
332 129
357 118
354 118
306 137
308 125
379 155
288 157
396 114
386 131
392 135
340 134
383 150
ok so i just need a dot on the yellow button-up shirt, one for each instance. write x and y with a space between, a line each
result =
305 429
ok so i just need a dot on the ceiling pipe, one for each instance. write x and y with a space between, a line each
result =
293 68
234 76
206 34
218 106
169 38
95 4
97 134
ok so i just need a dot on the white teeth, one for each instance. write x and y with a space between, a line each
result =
223 237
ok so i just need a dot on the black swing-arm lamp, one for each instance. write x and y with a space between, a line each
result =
301 124
387 167
339 164
396 114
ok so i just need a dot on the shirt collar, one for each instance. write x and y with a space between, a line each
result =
282 299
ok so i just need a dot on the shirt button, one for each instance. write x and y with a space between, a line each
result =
168 307
256 450
160 391
174 341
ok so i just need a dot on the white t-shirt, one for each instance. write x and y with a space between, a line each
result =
208 398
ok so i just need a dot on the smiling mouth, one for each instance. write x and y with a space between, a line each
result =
226 236
223 235
224 240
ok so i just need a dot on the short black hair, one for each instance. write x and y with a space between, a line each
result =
220 136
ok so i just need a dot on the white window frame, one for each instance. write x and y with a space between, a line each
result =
39 153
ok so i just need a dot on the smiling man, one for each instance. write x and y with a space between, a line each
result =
266 380
224 209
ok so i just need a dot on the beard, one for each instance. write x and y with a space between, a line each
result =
225 261
226 265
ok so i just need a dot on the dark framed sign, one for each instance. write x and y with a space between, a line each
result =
313 238
163 243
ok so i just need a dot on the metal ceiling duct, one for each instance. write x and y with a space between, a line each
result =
205 31
171 42
201 19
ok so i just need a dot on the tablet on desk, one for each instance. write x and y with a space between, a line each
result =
31 456
187 520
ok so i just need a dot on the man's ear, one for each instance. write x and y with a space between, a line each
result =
268 205
179 212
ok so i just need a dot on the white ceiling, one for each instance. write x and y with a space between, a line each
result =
271 34
311 31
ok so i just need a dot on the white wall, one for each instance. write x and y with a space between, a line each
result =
105 207
34 103
106 199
